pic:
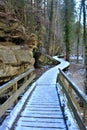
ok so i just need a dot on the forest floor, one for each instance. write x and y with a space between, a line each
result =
75 73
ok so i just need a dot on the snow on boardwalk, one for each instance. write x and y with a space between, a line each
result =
42 111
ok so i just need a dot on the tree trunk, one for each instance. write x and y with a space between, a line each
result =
85 41
78 35
67 31
50 28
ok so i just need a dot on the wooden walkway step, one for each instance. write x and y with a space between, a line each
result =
42 111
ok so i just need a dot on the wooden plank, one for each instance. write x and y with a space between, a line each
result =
43 115
34 128
27 119
43 108
44 125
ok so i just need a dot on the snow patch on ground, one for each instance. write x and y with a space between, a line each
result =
73 57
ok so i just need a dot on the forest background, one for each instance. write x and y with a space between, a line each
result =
60 26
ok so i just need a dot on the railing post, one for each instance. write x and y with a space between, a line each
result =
21 69
15 87
31 74
25 79
85 114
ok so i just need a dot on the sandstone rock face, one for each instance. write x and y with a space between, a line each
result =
18 42
13 61
11 28
32 41
16 45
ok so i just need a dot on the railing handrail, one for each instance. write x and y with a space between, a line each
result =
16 79
49 57
80 93
69 89
16 90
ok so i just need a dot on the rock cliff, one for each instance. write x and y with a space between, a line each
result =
16 46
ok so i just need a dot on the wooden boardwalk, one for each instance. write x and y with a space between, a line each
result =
42 111
41 108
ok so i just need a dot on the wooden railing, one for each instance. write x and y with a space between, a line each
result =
49 58
72 92
14 88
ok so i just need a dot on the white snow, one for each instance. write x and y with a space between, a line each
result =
49 78
73 57
53 72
